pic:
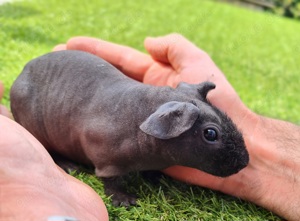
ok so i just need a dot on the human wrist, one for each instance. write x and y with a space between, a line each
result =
270 180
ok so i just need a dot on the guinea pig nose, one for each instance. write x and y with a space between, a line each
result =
210 134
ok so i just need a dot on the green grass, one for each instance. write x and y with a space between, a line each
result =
259 53
172 200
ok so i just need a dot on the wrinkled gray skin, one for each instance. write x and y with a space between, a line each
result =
81 107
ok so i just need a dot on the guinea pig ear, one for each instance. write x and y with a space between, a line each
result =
170 120
205 87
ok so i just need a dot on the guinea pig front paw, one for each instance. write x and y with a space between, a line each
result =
123 199
118 195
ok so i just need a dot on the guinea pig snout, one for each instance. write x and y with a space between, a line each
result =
232 163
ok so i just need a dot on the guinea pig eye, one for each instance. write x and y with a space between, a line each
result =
210 134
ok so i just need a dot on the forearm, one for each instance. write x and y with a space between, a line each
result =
272 178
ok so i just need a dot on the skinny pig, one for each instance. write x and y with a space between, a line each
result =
81 107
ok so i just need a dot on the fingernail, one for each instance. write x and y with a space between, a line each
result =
62 218
150 38
59 47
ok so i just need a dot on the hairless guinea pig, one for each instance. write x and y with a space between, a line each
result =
81 107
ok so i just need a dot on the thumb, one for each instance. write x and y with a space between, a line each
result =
174 49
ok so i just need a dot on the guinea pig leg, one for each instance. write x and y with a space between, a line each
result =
152 176
113 187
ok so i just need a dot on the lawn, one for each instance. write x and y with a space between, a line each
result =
258 52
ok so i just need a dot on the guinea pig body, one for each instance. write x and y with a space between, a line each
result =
83 108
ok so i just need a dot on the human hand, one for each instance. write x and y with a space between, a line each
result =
33 187
271 178
172 59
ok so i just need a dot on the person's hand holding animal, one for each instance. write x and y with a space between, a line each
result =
271 178
172 59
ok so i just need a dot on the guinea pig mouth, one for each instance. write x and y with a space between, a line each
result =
231 164
228 171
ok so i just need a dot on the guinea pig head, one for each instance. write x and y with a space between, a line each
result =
197 134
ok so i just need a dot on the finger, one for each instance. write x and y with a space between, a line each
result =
60 47
194 176
174 49
130 61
